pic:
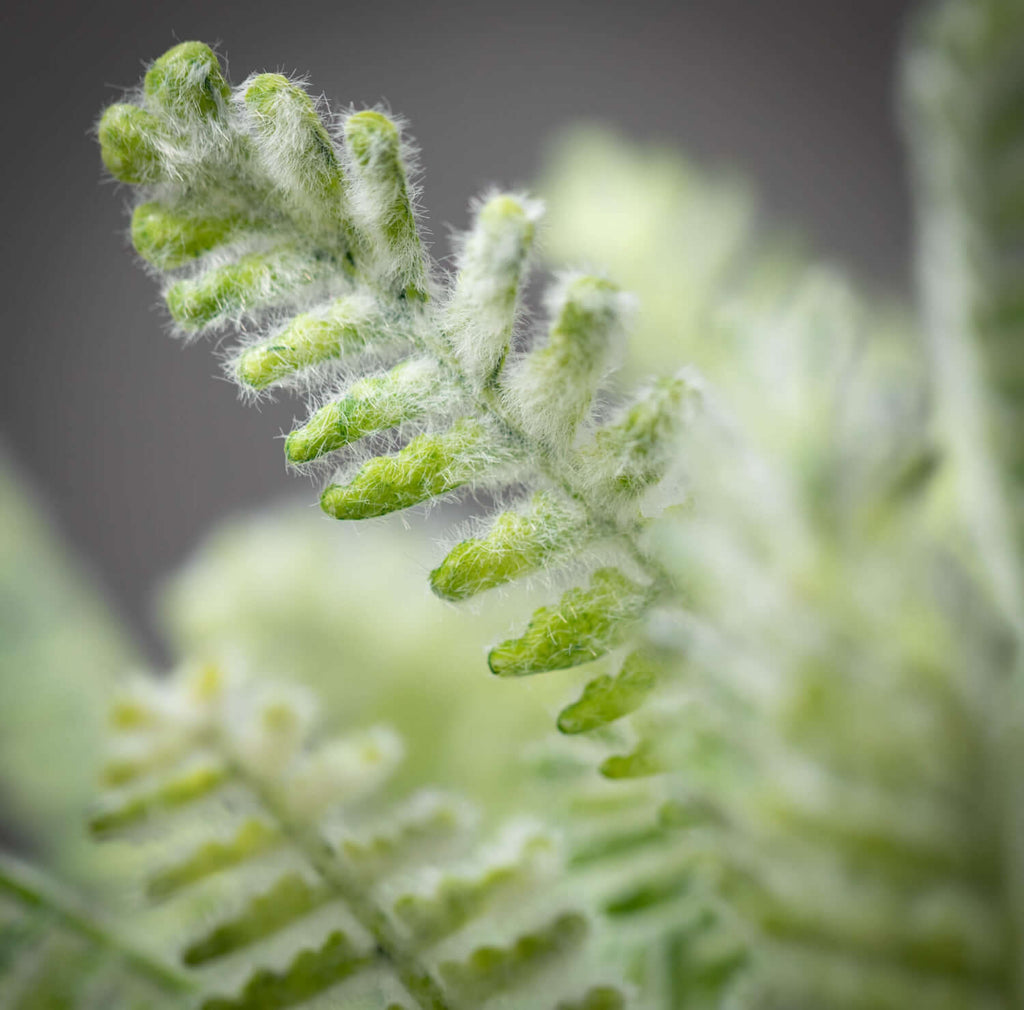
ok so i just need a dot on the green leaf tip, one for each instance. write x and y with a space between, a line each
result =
376 403
429 466
583 626
169 239
516 544
254 837
253 281
186 82
382 189
638 764
311 338
292 137
492 265
457 899
129 144
632 453
372 138
554 389
607 698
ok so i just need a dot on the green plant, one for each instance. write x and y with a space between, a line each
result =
792 579
262 219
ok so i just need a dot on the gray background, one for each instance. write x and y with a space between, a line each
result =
127 432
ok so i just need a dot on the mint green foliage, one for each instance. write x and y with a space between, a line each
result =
429 466
309 975
312 241
829 701
309 339
376 403
584 625
316 882
516 543
493 266
290 899
252 839
169 240
633 453
130 141
259 279
179 791
186 84
297 151
554 388
963 93
456 902
382 201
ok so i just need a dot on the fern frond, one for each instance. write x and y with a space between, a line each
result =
55 951
260 212
293 873
831 726
963 88
963 95
842 737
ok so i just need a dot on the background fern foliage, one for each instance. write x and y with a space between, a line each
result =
287 846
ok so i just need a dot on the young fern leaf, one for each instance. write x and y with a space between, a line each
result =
326 888
256 211
56 952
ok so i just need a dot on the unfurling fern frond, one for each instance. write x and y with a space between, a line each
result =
56 952
262 215
292 873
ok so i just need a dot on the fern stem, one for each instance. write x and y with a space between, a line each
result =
487 403
32 889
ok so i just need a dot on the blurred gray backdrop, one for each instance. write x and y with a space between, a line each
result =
132 436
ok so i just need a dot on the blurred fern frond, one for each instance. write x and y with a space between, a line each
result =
287 871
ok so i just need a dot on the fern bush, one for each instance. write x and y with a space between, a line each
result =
788 774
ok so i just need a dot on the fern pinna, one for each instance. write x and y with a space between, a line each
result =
290 869
302 234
